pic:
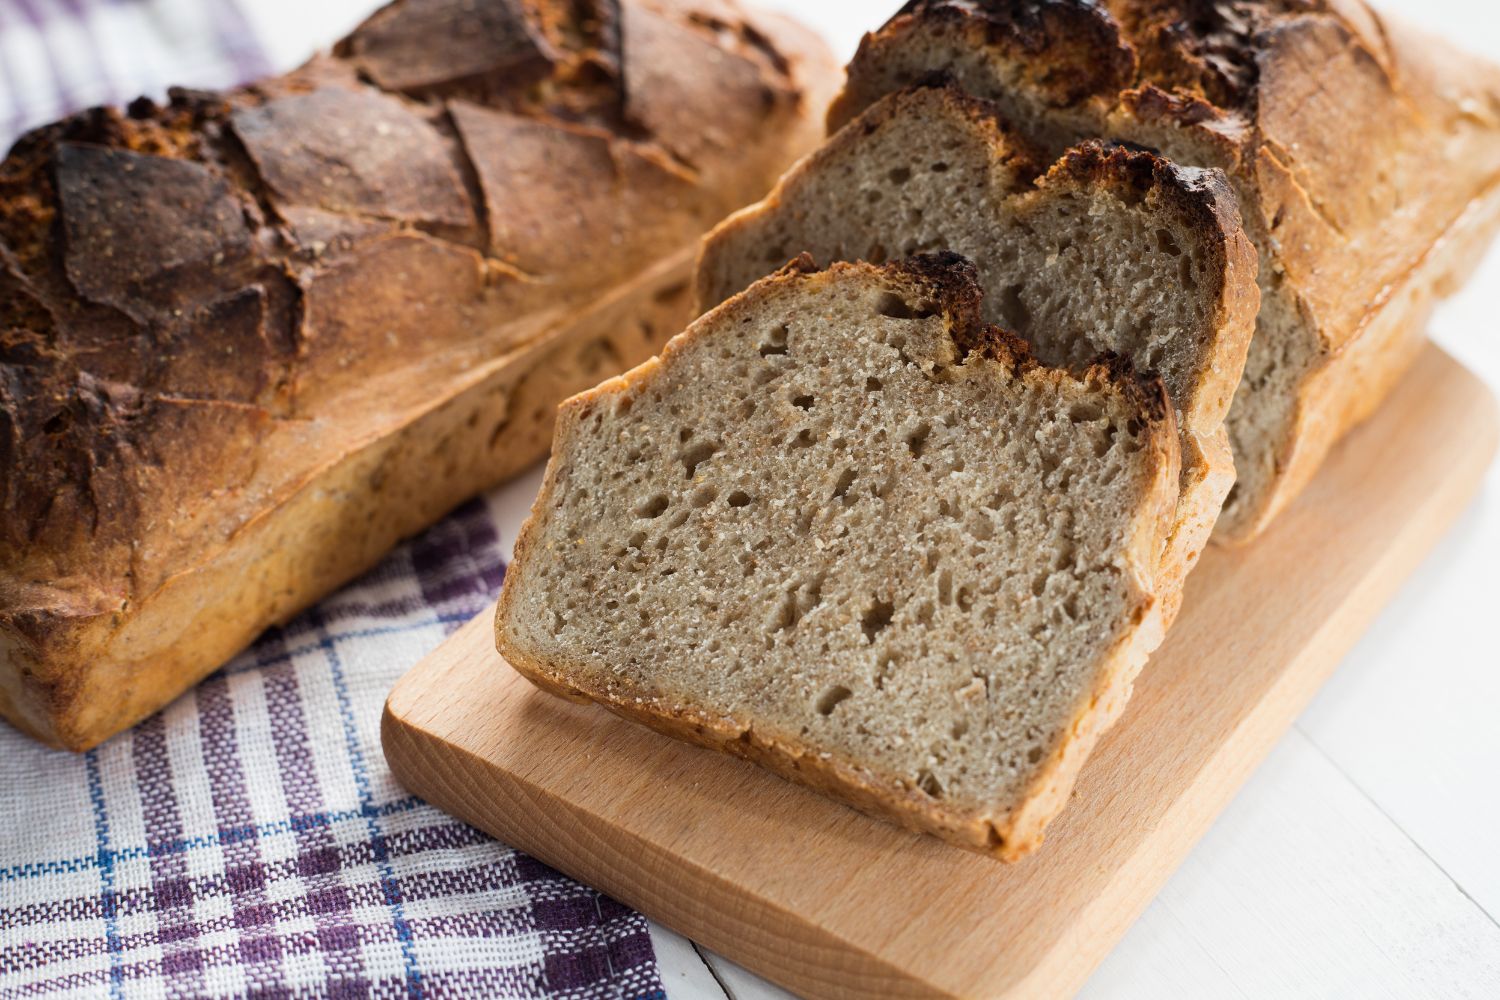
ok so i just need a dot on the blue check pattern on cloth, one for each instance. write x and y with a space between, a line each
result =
249 840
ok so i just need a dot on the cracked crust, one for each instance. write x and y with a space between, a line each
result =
1362 151
212 307
943 285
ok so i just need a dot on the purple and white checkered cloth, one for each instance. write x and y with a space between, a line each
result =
249 840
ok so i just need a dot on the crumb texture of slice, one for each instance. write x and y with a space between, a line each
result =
1111 250
1364 153
844 528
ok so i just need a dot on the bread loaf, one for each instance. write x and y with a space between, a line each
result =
1107 250
249 340
843 528
1365 155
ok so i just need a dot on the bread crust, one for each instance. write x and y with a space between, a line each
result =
1345 188
1202 196
171 409
949 282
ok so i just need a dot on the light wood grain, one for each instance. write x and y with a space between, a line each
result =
832 904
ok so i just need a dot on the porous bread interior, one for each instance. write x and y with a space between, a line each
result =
1285 349
817 518
1075 271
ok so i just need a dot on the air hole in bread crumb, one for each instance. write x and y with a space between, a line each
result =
804 439
653 507
704 496
830 699
841 488
696 456
929 783
1034 755
1084 413
802 401
877 618
739 498
1016 314
1167 244
775 342
873 384
916 441
899 175
940 168
945 587
893 306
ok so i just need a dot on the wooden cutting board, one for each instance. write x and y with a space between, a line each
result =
830 903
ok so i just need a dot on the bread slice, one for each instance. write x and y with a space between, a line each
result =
846 530
1112 249
1365 155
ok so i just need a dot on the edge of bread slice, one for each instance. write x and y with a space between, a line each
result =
1111 249
845 529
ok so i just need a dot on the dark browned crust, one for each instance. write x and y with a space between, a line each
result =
1086 53
178 281
396 166
1204 48
415 45
1203 196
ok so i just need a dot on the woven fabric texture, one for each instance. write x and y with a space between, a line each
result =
250 840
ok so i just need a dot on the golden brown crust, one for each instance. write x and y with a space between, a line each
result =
946 284
1353 144
192 292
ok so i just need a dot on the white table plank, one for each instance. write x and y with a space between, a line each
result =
1304 889
685 971
743 985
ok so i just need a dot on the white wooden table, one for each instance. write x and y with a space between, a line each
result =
1362 860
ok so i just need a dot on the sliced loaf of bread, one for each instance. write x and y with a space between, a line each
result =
1112 249
847 530
1364 152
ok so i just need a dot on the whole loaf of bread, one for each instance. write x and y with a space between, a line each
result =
250 340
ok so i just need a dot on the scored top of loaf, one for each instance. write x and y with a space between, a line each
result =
181 285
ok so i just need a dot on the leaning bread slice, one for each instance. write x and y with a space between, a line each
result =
1112 250
846 530
1365 155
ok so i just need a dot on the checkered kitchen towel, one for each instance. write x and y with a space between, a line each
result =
249 840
